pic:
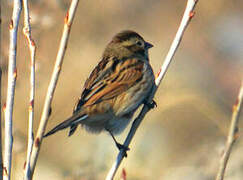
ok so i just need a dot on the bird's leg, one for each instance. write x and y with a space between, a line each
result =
150 105
118 145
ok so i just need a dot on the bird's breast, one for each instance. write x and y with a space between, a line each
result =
135 96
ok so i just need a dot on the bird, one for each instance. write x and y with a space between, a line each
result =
115 89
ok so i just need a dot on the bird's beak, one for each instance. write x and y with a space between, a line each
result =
148 45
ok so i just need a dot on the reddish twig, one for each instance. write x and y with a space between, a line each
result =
188 14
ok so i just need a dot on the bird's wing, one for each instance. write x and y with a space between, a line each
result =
123 75
100 72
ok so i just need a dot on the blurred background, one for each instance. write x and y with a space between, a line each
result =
183 138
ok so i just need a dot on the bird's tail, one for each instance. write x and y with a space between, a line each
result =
72 122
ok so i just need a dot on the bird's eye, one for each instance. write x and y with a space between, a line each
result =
139 43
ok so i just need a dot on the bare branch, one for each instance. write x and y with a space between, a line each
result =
12 75
188 14
232 136
32 48
1 157
55 75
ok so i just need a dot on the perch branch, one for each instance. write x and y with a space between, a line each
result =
32 49
12 75
188 14
52 85
232 136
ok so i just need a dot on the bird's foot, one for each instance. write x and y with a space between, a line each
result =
122 147
150 105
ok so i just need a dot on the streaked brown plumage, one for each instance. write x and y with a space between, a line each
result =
117 86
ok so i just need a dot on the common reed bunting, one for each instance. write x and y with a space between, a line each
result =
117 86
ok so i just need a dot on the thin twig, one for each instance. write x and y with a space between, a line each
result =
32 48
1 157
188 14
232 136
55 75
12 75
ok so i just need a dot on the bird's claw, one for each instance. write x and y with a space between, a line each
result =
122 147
151 105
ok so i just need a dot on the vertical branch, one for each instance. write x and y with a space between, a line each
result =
232 136
1 158
51 89
32 48
12 75
188 14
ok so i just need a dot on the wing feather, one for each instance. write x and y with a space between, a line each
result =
125 76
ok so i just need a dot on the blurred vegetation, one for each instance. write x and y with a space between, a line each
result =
183 137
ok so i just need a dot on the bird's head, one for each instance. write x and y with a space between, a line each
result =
126 44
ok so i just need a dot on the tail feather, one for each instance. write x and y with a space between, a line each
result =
71 122
72 129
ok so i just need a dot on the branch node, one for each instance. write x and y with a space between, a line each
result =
4 107
11 24
15 73
157 75
191 15
59 67
37 142
235 106
32 43
24 164
236 135
49 112
66 18
31 105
